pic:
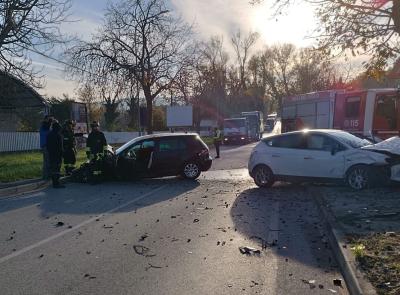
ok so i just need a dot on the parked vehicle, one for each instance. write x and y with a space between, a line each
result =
255 123
270 122
324 155
157 156
373 113
235 130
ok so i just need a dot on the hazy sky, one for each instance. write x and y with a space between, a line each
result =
211 17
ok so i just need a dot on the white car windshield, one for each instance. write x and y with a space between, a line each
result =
351 140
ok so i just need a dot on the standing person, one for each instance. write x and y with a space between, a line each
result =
217 140
43 132
55 150
96 142
69 146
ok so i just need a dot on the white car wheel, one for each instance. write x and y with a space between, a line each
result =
191 171
358 177
263 176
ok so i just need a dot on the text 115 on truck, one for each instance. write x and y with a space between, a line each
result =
373 113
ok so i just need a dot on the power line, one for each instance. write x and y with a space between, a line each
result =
59 61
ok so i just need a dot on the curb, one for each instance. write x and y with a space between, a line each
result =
355 280
30 187
22 189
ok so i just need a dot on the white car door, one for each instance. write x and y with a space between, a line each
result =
286 154
324 157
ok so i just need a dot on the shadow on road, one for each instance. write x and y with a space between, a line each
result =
287 221
86 199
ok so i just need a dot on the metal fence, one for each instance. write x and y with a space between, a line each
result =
19 141
28 141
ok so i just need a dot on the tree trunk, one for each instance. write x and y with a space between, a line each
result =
133 113
149 103
110 115
396 15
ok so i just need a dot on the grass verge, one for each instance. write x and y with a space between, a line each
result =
378 256
25 165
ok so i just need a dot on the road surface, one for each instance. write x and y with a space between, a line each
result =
167 236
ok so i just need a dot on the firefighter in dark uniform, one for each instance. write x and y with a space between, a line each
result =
69 145
96 143
55 149
96 146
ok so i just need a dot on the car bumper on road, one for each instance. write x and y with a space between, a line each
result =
206 164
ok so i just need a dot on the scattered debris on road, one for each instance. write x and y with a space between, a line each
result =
143 237
249 251
311 283
337 282
142 250
152 266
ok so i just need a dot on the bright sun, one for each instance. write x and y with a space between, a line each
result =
293 27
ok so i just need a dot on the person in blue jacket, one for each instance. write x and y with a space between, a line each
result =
44 131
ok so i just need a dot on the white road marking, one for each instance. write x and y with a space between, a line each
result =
60 234
273 233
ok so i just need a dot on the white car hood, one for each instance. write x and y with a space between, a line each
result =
391 145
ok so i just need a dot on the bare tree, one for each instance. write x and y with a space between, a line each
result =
366 27
108 86
86 93
29 25
213 69
283 70
313 71
242 46
143 40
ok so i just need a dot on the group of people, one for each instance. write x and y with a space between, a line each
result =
58 144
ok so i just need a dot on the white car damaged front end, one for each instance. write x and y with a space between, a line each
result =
390 150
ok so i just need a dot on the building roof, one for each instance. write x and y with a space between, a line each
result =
15 93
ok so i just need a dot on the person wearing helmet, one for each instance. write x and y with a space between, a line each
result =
96 143
69 145
55 149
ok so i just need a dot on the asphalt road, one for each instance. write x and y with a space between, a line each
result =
167 236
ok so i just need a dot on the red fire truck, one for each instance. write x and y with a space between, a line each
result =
373 113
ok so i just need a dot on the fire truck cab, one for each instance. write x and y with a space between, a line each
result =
373 113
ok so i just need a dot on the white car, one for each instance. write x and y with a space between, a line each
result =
324 155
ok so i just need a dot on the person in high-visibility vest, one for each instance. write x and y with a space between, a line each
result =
217 140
